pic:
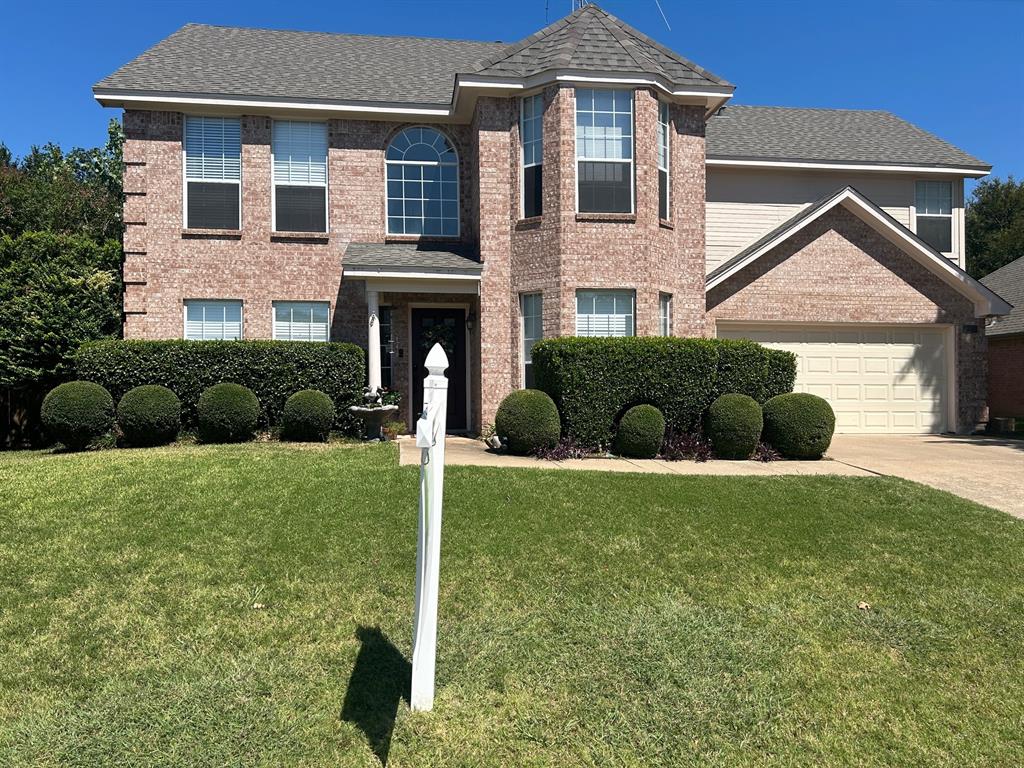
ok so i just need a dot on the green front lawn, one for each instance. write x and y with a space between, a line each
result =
251 606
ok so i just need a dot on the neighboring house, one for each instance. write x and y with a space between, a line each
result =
399 191
1006 343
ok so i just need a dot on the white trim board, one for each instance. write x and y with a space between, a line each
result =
985 301
827 166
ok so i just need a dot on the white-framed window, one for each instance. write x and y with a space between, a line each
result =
604 150
531 306
605 313
422 184
302 320
664 161
665 314
532 133
299 161
213 319
933 212
213 172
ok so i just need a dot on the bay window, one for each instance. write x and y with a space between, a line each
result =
664 161
604 150
532 133
213 172
934 214
665 314
605 313
299 159
531 309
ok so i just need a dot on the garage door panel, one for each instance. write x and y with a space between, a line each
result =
877 379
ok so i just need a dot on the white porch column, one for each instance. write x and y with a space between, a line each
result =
373 340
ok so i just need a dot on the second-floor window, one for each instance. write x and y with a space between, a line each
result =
604 150
213 173
300 176
664 161
934 213
423 184
532 131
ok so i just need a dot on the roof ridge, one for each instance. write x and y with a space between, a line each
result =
619 33
366 35
520 45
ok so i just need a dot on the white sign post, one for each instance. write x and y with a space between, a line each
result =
430 430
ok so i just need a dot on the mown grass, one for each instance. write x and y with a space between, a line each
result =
251 605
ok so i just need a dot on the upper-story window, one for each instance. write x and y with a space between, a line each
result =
934 213
604 150
213 172
664 210
300 176
532 132
423 184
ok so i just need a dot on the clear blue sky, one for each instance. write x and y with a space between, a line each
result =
953 68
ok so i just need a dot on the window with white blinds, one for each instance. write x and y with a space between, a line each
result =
213 172
208 320
605 313
301 320
300 176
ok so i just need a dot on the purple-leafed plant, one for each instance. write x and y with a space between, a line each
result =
685 446
565 448
764 452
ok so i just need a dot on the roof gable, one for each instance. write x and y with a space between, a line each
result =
985 301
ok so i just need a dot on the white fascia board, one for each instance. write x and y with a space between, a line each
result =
110 98
985 301
823 166
364 273
595 78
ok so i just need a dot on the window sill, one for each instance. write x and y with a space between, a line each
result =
666 224
622 218
531 222
299 237
212 234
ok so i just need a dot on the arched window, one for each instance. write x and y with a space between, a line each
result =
423 184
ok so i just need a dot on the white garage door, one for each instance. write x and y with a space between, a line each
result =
877 379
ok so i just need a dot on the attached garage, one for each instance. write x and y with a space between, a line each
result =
878 379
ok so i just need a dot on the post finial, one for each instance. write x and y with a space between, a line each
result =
437 361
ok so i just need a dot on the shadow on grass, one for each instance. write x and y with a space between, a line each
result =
380 679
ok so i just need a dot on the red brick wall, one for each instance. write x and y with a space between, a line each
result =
1006 376
840 270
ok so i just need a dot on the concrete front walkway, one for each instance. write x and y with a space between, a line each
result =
988 470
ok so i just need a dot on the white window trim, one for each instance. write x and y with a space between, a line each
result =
522 332
458 185
668 157
326 185
184 171
953 234
273 317
184 318
632 308
665 320
523 165
632 154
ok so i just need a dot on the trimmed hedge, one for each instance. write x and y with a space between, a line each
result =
799 425
308 416
149 415
527 420
273 370
227 413
733 424
641 432
77 412
592 380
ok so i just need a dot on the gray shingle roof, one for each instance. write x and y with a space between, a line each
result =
828 135
411 257
592 40
1008 282
232 61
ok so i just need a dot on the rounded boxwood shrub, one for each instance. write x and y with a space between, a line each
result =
799 425
733 424
227 413
641 432
527 420
149 415
77 412
307 416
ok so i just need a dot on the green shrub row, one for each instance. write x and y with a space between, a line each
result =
593 381
273 370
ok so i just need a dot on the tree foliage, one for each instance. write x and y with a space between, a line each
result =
995 225
56 291
74 193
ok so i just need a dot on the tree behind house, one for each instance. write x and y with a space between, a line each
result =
995 225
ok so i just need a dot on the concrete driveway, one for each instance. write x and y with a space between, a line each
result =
988 470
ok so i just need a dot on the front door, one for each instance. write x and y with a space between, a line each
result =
447 327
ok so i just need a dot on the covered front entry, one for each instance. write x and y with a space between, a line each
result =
878 379
445 326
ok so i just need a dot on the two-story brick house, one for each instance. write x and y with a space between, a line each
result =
398 191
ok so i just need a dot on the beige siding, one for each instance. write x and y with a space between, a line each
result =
745 204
